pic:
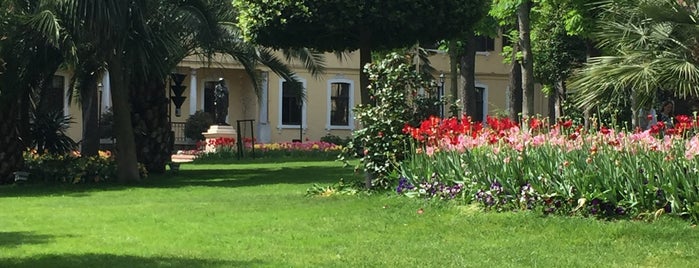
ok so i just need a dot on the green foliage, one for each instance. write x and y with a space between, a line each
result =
342 25
197 124
69 168
334 139
381 142
107 124
339 188
650 47
610 175
48 133
556 53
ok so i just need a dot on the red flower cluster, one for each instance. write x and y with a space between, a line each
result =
434 129
682 124
500 125
222 142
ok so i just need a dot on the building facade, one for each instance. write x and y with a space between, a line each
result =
273 113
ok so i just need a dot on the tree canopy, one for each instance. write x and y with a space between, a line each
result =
341 25
337 25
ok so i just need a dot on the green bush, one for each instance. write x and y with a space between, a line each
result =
381 143
69 168
107 124
196 124
48 133
337 140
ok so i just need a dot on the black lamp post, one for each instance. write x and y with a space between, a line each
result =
99 104
441 95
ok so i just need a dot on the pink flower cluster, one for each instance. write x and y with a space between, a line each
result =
460 135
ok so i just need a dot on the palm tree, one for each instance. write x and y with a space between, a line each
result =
29 41
651 46
188 28
144 49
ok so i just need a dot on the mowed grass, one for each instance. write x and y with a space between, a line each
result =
256 215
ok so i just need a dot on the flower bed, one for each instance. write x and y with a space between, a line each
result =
314 149
71 168
557 169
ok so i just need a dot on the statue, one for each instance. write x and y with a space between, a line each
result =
221 102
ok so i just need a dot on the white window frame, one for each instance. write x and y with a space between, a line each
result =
350 120
303 108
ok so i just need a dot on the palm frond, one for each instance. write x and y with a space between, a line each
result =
312 60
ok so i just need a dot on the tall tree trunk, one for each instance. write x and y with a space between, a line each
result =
364 59
523 11
553 95
151 125
556 99
90 109
515 86
11 154
468 73
517 93
127 164
453 78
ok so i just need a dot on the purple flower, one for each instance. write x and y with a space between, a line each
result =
496 186
620 211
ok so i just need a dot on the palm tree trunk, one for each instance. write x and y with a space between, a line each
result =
468 72
523 11
11 154
151 125
90 109
127 163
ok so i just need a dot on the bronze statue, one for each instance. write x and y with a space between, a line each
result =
221 102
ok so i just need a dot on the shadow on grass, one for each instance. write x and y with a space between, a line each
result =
251 177
228 175
110 260
15 239
58 189
262 160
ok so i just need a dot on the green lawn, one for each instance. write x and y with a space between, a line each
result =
256 215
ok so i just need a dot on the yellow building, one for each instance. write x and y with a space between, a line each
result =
327 108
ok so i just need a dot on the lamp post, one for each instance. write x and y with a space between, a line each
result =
441 95
99 104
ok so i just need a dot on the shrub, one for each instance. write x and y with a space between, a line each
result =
196 124
70 168
334 139
48 132
107 124
381 144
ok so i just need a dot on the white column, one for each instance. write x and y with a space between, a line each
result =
264 134
106 92
193 92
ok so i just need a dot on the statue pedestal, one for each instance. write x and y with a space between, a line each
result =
216 132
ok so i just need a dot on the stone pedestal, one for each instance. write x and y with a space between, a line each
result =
218 131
